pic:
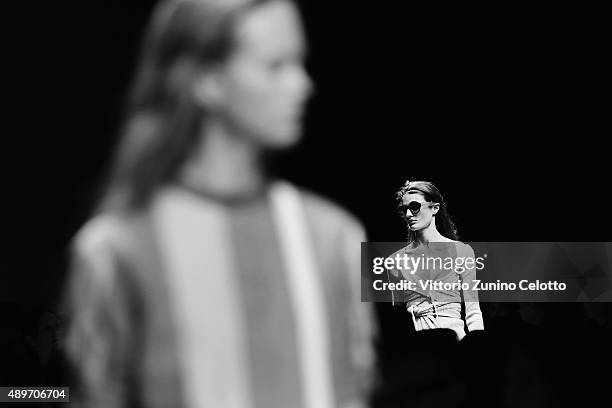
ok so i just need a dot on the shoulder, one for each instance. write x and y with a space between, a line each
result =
98 233
464 249
461 248
104 233
103 248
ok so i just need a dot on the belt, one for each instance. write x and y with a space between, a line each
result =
424 311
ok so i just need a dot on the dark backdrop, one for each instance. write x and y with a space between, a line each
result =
503 108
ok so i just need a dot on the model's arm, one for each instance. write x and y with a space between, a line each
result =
473 314
99 333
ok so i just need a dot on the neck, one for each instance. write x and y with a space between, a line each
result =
225 163
429 234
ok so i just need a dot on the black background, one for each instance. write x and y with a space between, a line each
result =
504 108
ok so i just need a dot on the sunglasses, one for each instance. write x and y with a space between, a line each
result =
413 206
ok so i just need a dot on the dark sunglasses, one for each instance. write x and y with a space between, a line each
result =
413 206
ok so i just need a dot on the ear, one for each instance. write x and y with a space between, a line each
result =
435 208
208 90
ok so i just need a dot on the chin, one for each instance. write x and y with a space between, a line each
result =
283 139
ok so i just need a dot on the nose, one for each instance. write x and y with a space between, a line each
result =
301 83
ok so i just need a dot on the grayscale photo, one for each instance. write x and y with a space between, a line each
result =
305 204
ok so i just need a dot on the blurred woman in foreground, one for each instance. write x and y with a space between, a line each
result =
201 281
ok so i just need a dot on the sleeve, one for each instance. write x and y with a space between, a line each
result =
97 343
363 323
473 314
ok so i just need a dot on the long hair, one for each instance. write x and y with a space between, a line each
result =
430 192
161 117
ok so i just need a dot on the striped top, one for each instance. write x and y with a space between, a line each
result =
201 302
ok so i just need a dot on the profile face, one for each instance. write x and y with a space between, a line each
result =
265 86
417 220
